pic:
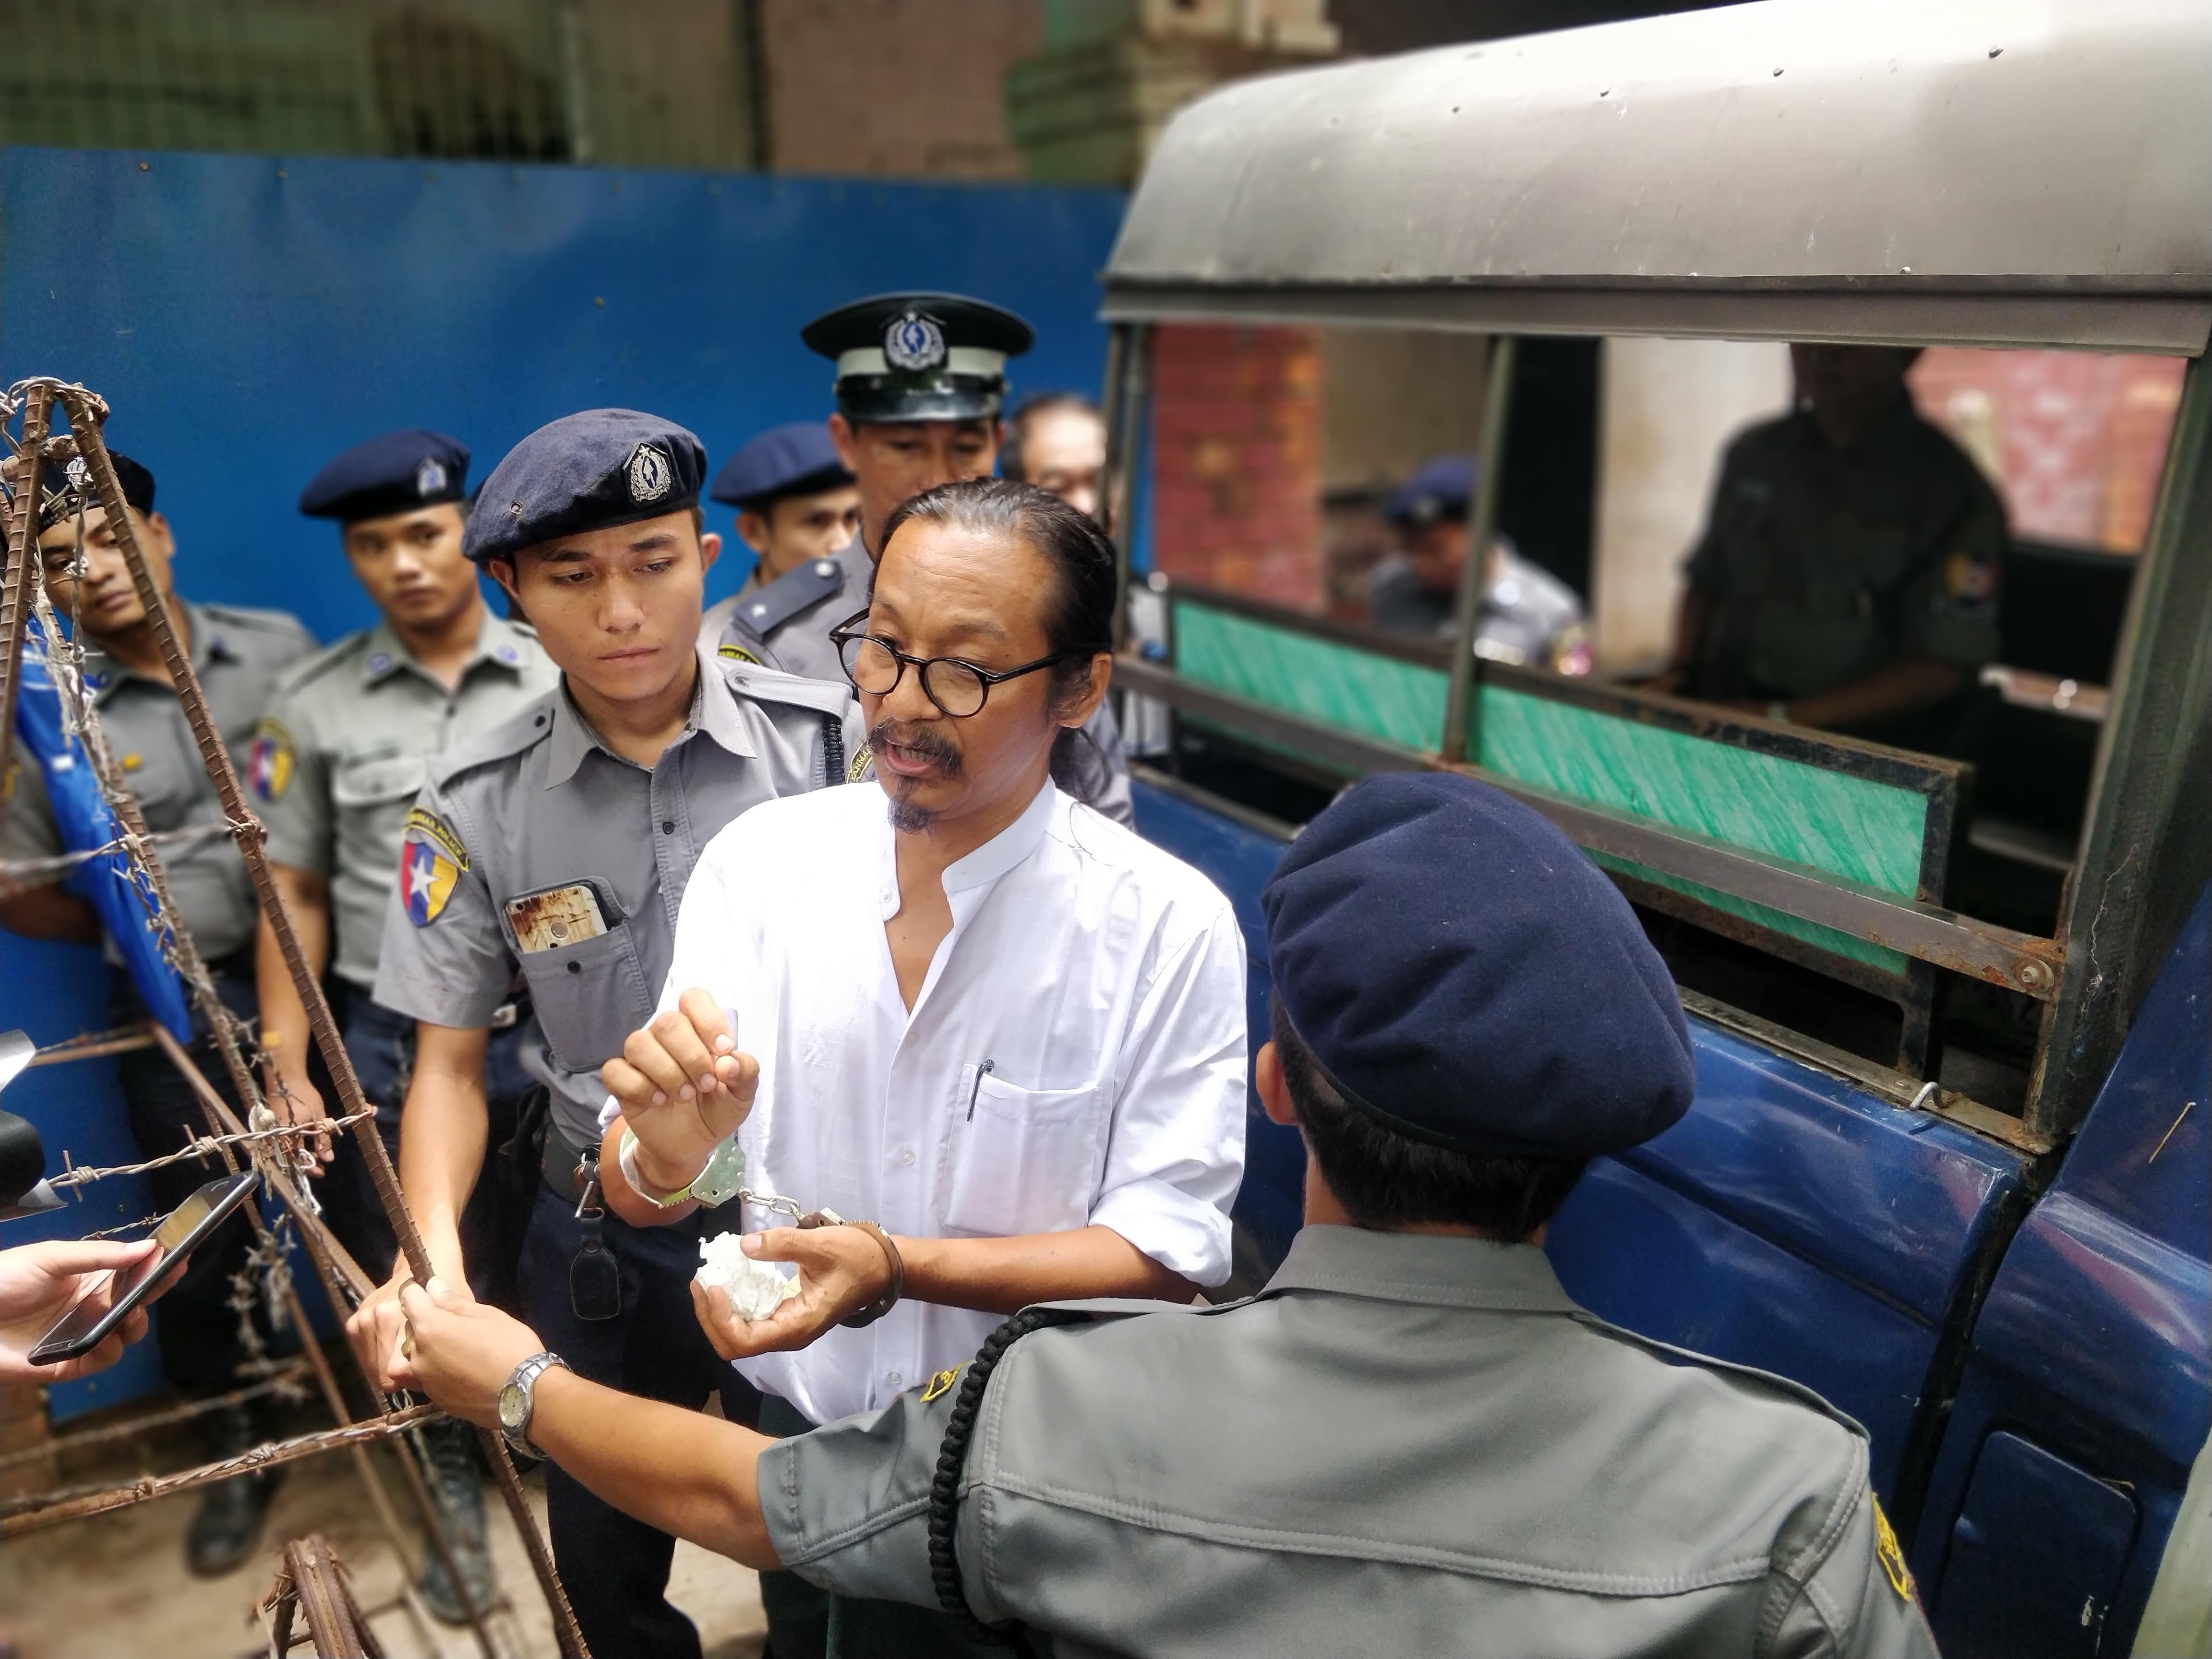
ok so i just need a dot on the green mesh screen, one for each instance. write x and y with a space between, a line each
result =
1846 826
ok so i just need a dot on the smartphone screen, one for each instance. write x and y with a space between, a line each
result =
83 1327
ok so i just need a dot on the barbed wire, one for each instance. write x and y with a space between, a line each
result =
288 1384
81 1175
23 875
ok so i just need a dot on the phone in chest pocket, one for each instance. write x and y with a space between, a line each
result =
554 916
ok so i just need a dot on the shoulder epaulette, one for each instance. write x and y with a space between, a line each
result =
314 665
511 736
269 622
750 679
795 590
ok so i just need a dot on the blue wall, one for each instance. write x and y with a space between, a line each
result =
247 317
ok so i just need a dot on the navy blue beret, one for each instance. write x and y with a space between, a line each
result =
794 460
1439 489
397 472
920 356
59 487
1469 979
587 471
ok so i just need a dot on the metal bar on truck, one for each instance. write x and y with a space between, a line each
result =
1927 933
1481 522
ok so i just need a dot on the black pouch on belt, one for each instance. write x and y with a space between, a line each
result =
522 1156
594 1276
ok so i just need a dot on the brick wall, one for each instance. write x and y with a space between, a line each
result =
2076 440
904 89
1236 445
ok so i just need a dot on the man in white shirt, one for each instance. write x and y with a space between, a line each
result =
1011 1031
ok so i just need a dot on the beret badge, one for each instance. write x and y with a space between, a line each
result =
650 473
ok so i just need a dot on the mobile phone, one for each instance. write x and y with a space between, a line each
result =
555 916
87 1325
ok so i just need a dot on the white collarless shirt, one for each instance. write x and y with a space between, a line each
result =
1076 1056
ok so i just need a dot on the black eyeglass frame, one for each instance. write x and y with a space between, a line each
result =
845 631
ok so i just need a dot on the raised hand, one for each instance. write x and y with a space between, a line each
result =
683 1087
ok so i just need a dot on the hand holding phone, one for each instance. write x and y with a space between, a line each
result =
110 1305
40 1283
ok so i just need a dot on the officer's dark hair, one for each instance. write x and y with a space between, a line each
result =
1011 462
1077 621
1385 1180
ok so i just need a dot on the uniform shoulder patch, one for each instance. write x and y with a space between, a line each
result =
271 762
1887 1551
1970 581
425 825
737 653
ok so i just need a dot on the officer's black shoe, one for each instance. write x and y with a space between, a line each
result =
228 1524
457 1489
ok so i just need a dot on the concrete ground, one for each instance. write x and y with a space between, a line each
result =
117 1584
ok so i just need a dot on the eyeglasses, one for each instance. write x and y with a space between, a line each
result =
958 689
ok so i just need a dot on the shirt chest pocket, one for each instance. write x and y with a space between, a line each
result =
589 997
376 779
1022 1160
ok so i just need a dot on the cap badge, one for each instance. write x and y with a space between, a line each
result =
429 476
914 343
650 473
75 471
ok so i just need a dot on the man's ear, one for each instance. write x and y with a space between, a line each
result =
753 529
710 549
1267 1081
847 441
502 571
1094 692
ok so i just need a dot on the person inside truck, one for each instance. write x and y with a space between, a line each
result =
1847 578
1528 616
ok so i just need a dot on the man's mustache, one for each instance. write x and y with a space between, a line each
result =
918 739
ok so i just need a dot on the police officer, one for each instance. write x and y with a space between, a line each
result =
1529 617
920 381
237 654
335 768
1412 1441
796 503
553 851
1848 574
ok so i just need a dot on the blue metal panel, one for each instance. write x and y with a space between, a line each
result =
1793 1223
2097 1334
2042 1589
324 300
247 317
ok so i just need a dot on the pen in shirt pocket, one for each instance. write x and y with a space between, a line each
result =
976 1087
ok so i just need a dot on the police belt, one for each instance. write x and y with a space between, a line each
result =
563 1158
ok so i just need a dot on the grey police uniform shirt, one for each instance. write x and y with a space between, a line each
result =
238 655
786 624
1528 615
1405 1444
538 804
1823 565
346 746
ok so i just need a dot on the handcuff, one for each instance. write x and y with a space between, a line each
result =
720 1180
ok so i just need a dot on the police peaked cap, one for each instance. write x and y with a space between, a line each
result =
589 471
794 460
62 488
1467 978
397 472
1439 489
920 356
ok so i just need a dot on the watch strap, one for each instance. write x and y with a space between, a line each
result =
524 1380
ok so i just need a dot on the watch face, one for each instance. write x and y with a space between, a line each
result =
513 1409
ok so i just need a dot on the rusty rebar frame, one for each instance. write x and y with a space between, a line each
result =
87 413
314 1583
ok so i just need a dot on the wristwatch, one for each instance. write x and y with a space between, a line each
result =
518 1398
715 1184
